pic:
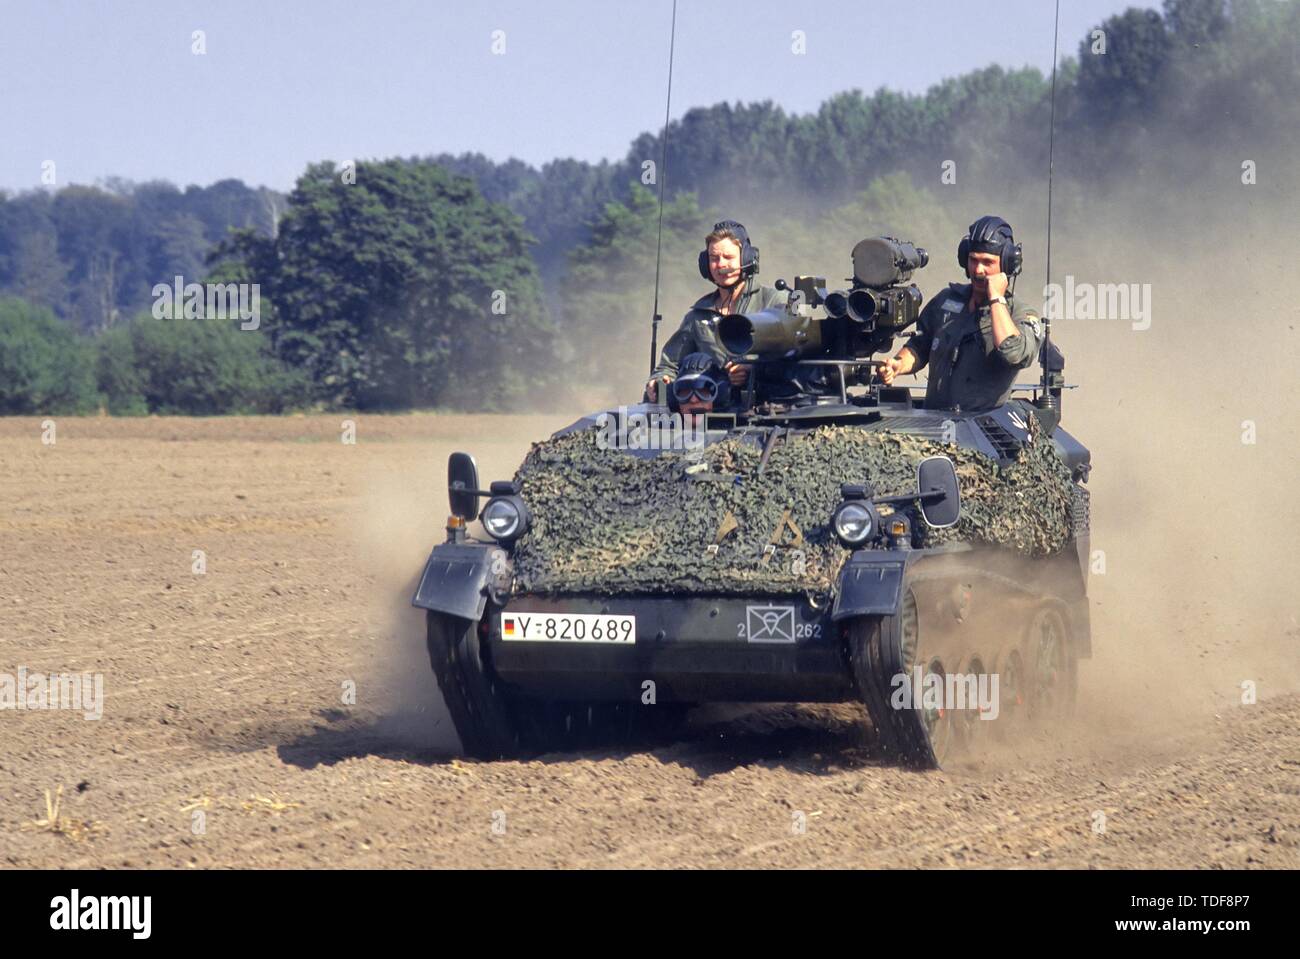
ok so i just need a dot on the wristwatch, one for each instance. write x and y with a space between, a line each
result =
998 299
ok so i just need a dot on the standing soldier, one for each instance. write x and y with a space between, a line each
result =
975 335
730 261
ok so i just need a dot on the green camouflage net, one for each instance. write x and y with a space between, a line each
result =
607 522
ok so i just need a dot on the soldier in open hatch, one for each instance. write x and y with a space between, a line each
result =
975 336
701 386
730 261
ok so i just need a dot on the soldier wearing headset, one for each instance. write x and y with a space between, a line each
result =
702 386
729 260
975 336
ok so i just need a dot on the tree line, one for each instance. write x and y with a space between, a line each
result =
459 282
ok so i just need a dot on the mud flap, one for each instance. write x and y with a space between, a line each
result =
870 585
455 580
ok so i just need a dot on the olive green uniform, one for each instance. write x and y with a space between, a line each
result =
967 372
699 330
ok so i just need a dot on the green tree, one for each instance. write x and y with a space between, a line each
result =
200 367
556 201
1124 82
45 367
404 288
93 228
93 254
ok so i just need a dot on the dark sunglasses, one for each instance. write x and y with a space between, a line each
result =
702 386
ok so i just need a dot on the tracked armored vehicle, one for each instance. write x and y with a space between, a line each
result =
837 542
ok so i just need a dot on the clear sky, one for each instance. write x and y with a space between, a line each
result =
112 87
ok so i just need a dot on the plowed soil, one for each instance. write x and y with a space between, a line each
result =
229 737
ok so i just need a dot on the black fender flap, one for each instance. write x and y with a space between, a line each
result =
455 579
870 583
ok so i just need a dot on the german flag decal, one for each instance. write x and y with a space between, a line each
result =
508 625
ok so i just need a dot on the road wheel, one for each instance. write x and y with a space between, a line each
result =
1013 696
880 649
943 725
1053 678
478 706
970 728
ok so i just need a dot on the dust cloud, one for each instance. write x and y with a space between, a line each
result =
1189 411
403 517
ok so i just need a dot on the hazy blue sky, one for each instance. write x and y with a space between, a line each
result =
112 88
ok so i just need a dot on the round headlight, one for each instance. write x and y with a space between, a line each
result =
854 523
503 519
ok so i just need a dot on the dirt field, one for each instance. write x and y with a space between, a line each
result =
224 692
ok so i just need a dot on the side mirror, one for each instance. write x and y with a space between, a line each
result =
462 486
937 489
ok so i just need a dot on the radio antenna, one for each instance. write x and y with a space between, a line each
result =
663 176
1048 400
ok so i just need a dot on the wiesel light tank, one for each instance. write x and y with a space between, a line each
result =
825 540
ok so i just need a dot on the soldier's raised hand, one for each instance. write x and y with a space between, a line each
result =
652 388
738 373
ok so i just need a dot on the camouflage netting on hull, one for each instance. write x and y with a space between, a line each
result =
607 522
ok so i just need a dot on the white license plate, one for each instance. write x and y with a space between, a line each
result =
568 628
